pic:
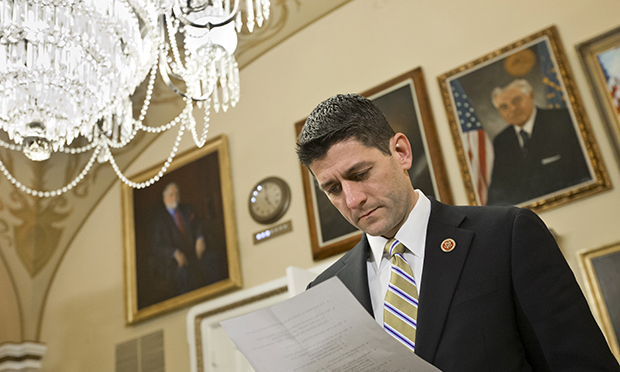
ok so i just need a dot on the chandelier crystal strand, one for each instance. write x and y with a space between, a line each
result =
131 131
233 82
249 8
161 172
223 82
66 66
77 150
259 13
10 146
266 5
177 64
69 67
149 94
46 194
203 138
215 95
238 22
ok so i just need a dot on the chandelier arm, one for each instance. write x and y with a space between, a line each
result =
60 191
165 72
178 14
164 69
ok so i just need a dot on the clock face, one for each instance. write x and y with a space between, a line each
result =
269 200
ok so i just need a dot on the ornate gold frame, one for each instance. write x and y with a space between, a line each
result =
550 35
595 295
588 52
431 148
187 163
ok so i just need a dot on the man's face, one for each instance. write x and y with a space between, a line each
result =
171 197
515 106
370 189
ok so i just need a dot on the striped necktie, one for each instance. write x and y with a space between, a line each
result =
400 309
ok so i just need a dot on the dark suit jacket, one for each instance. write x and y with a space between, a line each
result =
555 160
503 300
167 238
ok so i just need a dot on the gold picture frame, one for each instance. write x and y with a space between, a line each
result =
601 269
404 101
600 59
565 164
156 281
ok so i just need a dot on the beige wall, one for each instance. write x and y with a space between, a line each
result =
10 330
359 46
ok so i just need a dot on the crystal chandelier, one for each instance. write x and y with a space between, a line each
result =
69 67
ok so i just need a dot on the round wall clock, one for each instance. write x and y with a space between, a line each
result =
269 200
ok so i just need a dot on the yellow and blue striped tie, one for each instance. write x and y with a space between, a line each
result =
400 310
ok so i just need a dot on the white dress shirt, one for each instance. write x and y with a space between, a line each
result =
528 127
413 236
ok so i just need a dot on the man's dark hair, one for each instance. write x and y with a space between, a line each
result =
340 118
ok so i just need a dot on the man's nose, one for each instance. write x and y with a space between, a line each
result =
354 194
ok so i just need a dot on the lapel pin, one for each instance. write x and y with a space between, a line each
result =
448 245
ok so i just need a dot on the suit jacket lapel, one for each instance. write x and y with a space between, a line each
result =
354 273
440 275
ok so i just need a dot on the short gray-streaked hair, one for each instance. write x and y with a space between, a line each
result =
340 118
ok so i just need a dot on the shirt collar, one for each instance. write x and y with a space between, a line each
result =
528 126
412 233
172 211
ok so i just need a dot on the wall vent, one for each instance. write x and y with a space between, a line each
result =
143 354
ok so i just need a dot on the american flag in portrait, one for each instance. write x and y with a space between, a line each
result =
476 144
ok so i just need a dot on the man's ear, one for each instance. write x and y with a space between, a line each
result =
401 150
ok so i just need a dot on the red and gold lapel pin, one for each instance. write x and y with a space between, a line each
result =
448 245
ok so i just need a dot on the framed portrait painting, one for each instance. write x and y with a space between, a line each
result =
180 234
600 59
404 101
601 268
519 128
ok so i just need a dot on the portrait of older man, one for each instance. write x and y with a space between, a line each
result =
179 242
538 153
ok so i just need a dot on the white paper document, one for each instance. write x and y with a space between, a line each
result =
324 329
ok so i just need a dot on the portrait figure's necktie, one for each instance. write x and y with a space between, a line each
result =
526 142
179 221
400 309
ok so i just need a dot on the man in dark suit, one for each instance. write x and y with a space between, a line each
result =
495 293
178 242
537 154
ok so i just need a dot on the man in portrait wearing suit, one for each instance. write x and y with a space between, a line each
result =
538 153
475 288
178 242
